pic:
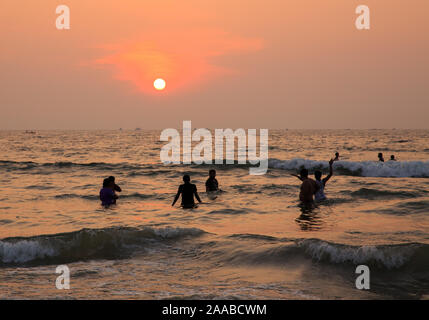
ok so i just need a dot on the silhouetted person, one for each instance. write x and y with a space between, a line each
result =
187 190
211 183
380 157
337 156
116 187
107 193
320 194
392 158
308 187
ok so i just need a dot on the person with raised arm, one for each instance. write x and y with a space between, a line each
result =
320 194
337 156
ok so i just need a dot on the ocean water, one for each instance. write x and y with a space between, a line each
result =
254 241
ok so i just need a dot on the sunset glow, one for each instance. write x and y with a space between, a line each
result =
220 157
228 56
184 57
159 84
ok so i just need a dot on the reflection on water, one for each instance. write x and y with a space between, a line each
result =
310 218
52 180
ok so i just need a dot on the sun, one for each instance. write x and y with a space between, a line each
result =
159 84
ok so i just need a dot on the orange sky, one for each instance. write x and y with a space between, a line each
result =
236 63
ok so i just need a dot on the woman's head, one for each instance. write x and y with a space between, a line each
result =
108 183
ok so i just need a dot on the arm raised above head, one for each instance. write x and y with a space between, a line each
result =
331 172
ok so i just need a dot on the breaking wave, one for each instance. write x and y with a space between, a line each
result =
359 168
384 256
106 243
283 251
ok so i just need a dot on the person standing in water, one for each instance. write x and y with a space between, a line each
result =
115 186
380 157
107 193
309 187
188 190
392 158
320 194
211 183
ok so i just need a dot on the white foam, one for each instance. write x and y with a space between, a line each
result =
390 257
85 242
23 251
171 232
363 168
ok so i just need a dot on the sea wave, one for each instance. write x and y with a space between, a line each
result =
368 193
123 242
353 168
359 168
85 244
385 256
284 251
28 165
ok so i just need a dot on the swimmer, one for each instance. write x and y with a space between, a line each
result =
337 156
308 187
320 194
107 193
211 183
187 190
116 187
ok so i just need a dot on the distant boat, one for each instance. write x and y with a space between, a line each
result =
30 132
138 129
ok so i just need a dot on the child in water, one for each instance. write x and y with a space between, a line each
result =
107 193
211 183
320 193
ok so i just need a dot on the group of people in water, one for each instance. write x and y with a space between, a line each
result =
311 189
381 158
187 190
